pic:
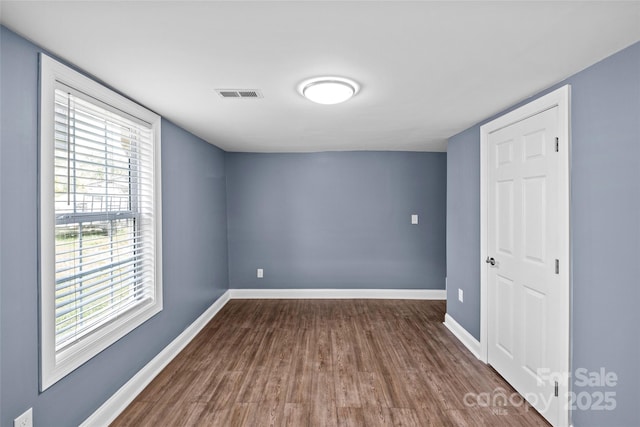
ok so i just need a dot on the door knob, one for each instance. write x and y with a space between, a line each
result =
491 260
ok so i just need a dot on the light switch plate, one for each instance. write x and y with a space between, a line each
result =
414 219
460 295
260 273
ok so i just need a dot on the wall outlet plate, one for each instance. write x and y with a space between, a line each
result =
260 273
24 420
414 218
460 295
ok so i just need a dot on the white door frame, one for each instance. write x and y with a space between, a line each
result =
558 98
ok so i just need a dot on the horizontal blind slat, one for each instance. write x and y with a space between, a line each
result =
119 295
125 279
80 326
135 239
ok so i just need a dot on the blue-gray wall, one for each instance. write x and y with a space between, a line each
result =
605 220
194 267
463 229
337 220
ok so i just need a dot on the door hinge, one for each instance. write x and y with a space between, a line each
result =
557 266
557 144
555 390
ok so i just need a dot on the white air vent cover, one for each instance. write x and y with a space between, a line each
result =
239 93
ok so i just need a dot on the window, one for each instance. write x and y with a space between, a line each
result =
100 218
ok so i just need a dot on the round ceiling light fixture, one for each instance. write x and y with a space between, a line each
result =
328 90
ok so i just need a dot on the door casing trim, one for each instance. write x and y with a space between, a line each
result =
558 98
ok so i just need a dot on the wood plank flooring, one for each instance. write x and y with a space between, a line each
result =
327 363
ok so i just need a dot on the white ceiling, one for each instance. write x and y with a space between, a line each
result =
428 70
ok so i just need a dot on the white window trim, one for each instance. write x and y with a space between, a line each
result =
54 367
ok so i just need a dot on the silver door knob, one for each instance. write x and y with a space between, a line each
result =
491 260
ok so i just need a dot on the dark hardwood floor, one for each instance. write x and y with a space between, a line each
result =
327 363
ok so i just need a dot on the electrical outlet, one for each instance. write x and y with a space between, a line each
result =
24 420
260 273
414 219
460 295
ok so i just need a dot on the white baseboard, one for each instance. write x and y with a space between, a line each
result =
435 294
117 403
461 333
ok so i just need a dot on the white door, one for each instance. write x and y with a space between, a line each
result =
523 244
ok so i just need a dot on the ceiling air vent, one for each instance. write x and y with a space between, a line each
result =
239 93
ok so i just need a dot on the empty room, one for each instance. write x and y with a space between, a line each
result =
319 213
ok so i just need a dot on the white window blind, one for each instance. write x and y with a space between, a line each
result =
100 218
103 207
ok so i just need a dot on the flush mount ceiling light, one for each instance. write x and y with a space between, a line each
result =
328 90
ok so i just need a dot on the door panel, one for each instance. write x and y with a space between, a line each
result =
534 329
534 144
505 321
534 200
504 153
504 211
